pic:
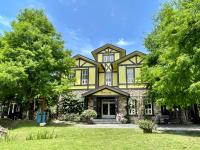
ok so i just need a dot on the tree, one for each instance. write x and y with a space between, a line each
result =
172 65
33 58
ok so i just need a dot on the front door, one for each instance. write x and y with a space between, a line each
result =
108 109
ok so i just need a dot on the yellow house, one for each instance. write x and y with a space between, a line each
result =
111 83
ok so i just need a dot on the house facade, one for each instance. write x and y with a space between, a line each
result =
111 83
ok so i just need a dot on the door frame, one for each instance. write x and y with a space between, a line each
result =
106 101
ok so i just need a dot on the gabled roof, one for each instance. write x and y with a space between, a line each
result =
86 59
106 87
121 50
128 56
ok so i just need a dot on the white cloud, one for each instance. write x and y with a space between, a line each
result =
77 43
122 42
5 21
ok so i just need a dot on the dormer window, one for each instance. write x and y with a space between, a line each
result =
108 58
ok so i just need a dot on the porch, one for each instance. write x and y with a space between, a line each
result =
107 102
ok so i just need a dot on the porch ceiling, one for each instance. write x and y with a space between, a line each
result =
106 90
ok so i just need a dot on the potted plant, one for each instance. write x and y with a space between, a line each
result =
146 125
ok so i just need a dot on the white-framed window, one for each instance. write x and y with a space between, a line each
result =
105 58
108 58
130 75
111 58
84 77
108 78
132 106
148 109
71 75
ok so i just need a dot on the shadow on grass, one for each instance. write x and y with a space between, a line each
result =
15 124
182 133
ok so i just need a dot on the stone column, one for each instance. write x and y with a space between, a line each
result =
117 105
95 103
140 108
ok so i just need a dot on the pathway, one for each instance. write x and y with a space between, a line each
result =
160 128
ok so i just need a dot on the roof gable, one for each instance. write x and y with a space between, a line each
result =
85 59
106 90
129 57
102 48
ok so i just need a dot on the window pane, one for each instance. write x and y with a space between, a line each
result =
105 58
130 75
132 106
108 79
111 58
84 77
71 75
108 58
112 109
148 109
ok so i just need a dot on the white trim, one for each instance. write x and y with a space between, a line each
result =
108 104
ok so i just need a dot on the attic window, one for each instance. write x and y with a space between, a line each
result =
108 58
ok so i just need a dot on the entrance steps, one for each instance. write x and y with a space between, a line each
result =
105 121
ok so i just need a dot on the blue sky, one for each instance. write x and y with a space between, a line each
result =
88 24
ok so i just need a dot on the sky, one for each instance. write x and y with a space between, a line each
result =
88 24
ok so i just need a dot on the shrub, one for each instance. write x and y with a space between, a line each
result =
146 125
70 117
72 104
41 135
88 115
7 138
124 120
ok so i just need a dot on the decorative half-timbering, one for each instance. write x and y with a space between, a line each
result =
110 81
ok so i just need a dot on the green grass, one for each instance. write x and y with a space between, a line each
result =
69 137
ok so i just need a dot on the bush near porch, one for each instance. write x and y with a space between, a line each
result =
88 115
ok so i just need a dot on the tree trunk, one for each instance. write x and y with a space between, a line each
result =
195 114
59 106
31 111
182 116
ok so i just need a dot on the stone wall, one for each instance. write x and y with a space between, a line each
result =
122 105
79 92
90 103
138 95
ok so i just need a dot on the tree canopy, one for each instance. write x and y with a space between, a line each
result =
33 60
172 65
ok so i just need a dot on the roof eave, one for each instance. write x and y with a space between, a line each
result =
105 87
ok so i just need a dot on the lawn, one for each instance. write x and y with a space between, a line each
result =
69 137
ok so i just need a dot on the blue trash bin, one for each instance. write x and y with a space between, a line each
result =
39 117
44 117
